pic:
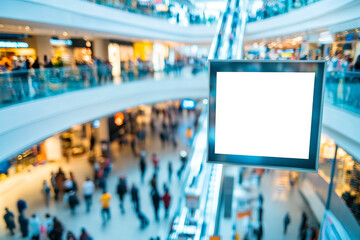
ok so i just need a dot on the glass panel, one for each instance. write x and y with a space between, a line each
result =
347 180
326 157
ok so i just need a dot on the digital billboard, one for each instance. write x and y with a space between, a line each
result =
265 113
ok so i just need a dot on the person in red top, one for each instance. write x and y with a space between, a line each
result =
155 161
166 198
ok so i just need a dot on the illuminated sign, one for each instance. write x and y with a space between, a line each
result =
60 42
119 119
8 44
326 38
266 113
188 104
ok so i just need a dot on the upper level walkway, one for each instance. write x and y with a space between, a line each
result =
113 21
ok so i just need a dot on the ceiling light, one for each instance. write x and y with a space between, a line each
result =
65 34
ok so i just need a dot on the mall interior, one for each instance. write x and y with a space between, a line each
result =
104 118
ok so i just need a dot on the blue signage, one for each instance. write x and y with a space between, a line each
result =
9 44
188 104
61 42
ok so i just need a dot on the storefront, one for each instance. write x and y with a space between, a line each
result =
120 54
70 52
16 48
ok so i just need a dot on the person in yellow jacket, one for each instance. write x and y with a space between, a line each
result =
105 201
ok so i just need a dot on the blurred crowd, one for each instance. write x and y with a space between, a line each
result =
64 187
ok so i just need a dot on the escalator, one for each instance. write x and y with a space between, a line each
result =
198 209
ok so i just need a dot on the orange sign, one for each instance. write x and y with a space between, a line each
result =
215 238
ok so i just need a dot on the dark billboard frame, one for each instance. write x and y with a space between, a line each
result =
293 164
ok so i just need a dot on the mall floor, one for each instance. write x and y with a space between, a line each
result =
28 186
279 197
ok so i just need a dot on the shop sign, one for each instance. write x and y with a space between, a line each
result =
326 38
60 42
266 114
9 44
188 104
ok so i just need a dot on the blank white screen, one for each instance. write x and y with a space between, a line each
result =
264 113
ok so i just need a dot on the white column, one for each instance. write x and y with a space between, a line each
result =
53 148
43 47
101 49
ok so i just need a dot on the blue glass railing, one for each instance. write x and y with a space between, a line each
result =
159 10
263 9
257 10
343 90
27 85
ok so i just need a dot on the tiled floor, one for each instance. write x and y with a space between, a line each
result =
28 187
279 198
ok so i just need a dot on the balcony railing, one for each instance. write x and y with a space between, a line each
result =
342 88
257 10
26 85
261 9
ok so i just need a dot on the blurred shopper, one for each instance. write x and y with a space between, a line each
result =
259 232
133 146
46 192
142 165
287 221
57 231
54 186
24 225
72 178
68 185
121 191
60 178
88 188
260 214
303 222
170 170
153 181
73 201
85 235
105 208
9 221
135 197
48 223
34 227
144 221
166 198
261 199
47 62
155 162
21 206
70 236
156 202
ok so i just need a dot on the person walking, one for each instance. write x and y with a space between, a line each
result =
73 201
46 192
144 221
54 186
85 235
34 227
48 223
57 231
303 222
142 165
260 214
21 206
156 202
88 188
153 181
70 236
166 198
24 225
170 171
135 197
121 191
287 221
155 161
105 208
259 232
9 221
